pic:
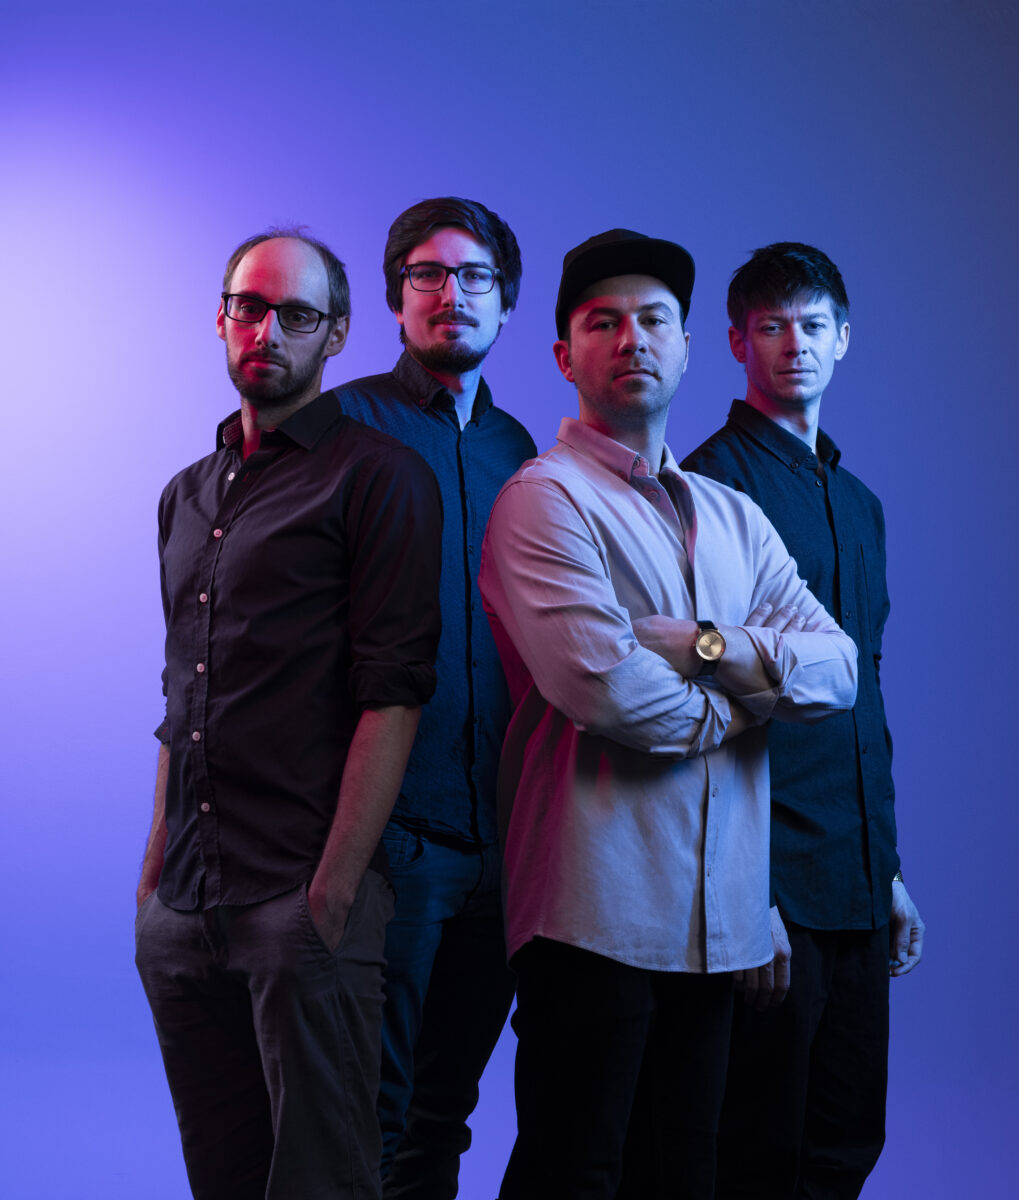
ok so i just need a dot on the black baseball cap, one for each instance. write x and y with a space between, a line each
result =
622 252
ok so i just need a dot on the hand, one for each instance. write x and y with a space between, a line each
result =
766 987
905 931
328 914
671 638
786 619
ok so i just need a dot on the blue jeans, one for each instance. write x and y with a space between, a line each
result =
448 992
270 1043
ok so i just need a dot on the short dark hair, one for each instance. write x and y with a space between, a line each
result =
780 272
339 288
414 226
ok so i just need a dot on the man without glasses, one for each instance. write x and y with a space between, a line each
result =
452 271
299 567
649 623
839 903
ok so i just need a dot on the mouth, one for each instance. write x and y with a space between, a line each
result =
636 372
257 361
450 319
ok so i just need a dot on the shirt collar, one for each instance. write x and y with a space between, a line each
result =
785 446
612 455
304 427
427 391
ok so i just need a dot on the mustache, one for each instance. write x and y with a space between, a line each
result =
450 318
263 358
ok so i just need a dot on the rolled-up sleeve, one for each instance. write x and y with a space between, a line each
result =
394 528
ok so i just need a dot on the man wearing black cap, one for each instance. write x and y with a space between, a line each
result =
634 784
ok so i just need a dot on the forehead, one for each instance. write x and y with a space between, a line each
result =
801 306
283 269
451 245
626 293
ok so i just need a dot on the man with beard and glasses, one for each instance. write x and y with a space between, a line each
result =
299 567
452 271
634 781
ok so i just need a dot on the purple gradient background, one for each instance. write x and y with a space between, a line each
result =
139 143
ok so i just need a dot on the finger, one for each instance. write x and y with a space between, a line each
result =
765 986
750 986
782 977
760 614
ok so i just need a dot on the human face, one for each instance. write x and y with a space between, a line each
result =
626 353
273 368
790 351
451 331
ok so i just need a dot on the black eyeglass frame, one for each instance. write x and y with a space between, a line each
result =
226 297
496 276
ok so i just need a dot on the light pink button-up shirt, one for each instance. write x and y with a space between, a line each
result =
630 829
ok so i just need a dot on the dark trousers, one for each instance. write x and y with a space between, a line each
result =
448 992
804 1112
270 1043
619 1078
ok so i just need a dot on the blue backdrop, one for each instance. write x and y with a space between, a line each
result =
139 143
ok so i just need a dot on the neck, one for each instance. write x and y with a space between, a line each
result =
801 421
463 387
646 439
255 420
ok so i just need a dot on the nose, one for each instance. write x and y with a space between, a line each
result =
452 293
632 338
267 331
795 340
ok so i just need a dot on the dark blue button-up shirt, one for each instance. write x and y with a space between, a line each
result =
833 849
449 787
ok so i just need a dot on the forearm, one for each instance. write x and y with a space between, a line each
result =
152 862
374 770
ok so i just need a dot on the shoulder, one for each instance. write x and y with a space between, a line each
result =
726 456
511 429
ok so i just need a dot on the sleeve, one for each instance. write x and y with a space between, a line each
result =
394 532
813 670
549 595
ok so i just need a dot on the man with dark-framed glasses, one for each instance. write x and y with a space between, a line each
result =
452 270
299 567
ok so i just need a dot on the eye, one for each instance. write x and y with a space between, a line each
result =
474 274
248 308
426 274
296 317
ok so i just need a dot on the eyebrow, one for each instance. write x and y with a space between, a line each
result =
434 262
609 310
250 295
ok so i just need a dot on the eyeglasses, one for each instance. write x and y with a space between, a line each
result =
296 318
475 280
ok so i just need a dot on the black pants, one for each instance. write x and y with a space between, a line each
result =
804 1112
619 1078
271 1043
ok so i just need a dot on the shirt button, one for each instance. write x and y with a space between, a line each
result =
200 668
196 736
714 791
848 614
653 497
818 483
232 476
203 597
205 806
217 533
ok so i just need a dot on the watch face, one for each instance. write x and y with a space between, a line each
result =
710 645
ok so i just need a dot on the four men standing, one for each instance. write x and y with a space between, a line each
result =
650 623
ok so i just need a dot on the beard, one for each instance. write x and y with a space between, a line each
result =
278 390
448 357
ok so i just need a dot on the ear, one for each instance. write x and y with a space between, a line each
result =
561 350
842 345
504 317
737 345
221 322
338 338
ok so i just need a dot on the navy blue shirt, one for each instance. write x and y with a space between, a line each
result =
300 586
449 787
833 851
